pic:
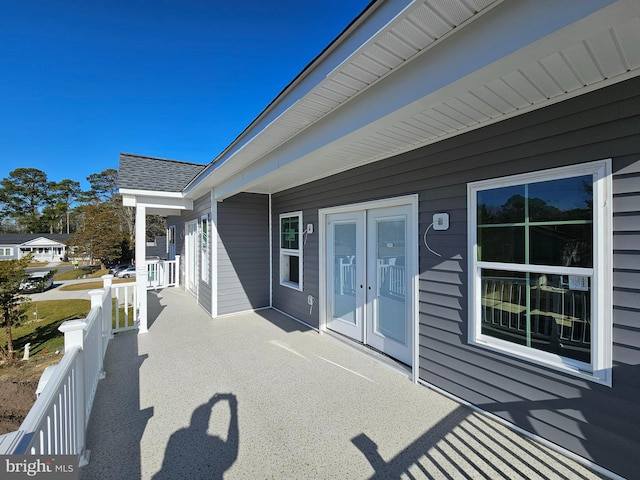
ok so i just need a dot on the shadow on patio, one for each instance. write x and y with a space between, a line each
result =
258 395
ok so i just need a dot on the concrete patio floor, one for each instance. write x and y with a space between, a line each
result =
258 395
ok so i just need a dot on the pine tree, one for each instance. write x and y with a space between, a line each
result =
12 275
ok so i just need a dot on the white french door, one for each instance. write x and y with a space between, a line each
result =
371 260
346 273
191 252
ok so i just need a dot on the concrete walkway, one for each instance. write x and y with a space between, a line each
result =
56 293
258 395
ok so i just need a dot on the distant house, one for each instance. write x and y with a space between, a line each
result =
454 184
44 247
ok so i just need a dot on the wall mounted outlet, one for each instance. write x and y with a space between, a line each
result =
440 221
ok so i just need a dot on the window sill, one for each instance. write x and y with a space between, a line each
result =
547 360
294 286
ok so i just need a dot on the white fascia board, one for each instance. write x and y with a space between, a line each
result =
362 31
42 242
156 200
490 47
149 193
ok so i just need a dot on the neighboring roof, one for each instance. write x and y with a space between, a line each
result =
21 238
138 172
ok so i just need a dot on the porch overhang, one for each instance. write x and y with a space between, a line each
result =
394 82
156 203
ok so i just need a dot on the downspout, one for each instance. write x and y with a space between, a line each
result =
213 274
141 266
270 254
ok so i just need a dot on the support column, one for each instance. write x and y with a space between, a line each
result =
141 266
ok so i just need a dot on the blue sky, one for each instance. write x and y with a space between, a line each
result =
82 81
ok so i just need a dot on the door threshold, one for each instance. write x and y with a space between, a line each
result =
380 357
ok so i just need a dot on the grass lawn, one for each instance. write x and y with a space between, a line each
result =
80 273
41 330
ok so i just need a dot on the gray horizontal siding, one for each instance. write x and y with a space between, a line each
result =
202 206
597 422
243 253
289 300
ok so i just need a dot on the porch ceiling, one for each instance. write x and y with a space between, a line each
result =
363 110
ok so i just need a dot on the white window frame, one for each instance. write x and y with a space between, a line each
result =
204 233
171 242
286 253
599 370
6 251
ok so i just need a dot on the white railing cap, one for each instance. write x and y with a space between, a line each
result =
72 326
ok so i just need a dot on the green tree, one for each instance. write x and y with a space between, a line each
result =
23 194
12 274
63 195
104 186
100 235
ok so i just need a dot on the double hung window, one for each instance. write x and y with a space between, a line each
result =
291 250
540 267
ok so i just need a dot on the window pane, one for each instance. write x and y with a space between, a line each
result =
294 269
561 315
289 233
501 205
563 199
554 317
501 244
504 305
562 245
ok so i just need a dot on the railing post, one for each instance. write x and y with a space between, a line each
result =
177 271
97 300
73 331
107 310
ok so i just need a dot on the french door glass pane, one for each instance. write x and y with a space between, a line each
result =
344 272
390 315
541 311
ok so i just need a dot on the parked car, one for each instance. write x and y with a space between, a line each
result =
37 282
118 268
128 272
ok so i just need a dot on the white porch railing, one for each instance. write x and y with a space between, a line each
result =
163 273
125 305
57 422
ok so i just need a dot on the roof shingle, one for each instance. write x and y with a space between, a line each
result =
138 172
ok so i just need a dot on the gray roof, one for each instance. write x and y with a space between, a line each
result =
137 172
20 238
